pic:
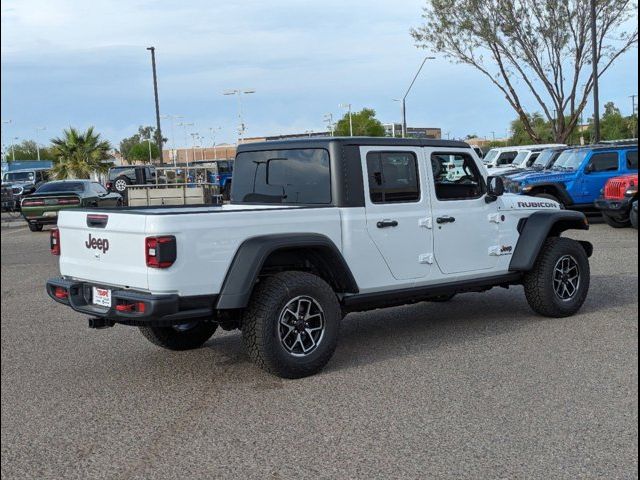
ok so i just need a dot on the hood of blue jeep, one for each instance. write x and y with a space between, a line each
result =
549 177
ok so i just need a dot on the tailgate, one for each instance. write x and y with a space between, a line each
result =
103 248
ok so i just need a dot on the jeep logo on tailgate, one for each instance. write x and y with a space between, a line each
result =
97 244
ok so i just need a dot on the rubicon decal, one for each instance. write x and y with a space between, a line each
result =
97 244
537 205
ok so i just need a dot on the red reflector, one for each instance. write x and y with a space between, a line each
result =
138 307
60 292
54 241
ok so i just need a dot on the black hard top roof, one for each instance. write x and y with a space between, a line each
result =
324 142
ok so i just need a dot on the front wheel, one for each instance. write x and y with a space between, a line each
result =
616 221
185 336
559 282
292 323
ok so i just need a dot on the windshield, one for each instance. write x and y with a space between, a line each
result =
300 176
543 159
569 160
19 177
490 156
521 158
61 187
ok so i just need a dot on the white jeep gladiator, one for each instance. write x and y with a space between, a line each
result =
315 229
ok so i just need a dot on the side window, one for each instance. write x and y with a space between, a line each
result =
393 177
223 167
506 158
603 162
456 177
99 189
532 159
632 159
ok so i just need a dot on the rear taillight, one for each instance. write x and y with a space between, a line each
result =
160 252
32 203
54 241
131 307
109 185
61 293
68 201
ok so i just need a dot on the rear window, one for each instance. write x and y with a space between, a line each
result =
61 187
632 160
297 176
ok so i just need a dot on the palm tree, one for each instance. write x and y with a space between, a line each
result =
78 155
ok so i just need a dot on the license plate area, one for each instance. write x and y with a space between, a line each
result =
101 296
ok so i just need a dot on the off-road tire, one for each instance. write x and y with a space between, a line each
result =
616 222
261 330
633 216
119 181
538 283
548 196
35 227
173 339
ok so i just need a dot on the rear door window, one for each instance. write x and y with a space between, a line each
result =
393 177
632 160
603 162
506 158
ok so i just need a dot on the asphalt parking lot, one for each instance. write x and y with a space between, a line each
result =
476 388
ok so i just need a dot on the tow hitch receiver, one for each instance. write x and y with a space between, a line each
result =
101 323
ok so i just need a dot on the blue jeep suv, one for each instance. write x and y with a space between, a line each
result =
578 175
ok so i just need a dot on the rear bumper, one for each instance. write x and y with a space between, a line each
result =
616 207
159 310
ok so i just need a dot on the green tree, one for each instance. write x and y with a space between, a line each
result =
528 48
140 152
79 154
27 150
613 125
365 124
126 144
542 128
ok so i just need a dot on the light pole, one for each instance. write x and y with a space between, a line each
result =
239 93
194 135
348 107
4 122
38 129
13 151
404 99
594 62
329 119
186 142
155 93
173 137
213 131
149 143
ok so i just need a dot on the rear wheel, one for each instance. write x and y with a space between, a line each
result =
616 221
35 227
185 336
291 326
559 282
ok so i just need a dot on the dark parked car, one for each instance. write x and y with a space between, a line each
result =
121 177
42 207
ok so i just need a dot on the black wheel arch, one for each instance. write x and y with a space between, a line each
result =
537 228
272 253
558 190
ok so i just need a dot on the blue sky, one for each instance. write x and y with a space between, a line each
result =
70 62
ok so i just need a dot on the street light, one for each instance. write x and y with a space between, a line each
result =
404 99
239 93
13 152
4 122
155 94
38 129
173 138
213 131
328 117
348 106
186 142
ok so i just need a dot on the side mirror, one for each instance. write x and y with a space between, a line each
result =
495 189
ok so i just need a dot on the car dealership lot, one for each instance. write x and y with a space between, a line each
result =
478 387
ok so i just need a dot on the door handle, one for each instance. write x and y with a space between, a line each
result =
447 219
387 223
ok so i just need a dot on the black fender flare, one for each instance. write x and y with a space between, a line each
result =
251 255
559 188
537 228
